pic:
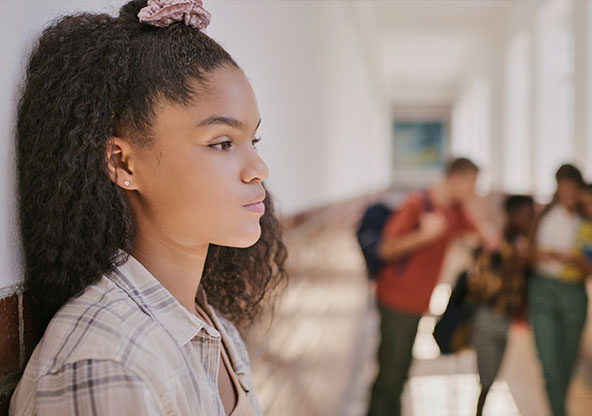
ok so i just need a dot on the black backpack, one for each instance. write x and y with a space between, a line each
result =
453 330
368 235
370 230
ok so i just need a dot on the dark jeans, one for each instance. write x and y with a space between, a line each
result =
557 312
490 337
397 334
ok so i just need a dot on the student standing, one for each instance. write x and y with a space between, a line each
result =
413 244
496 282
557 300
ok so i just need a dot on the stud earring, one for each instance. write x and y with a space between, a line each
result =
126 182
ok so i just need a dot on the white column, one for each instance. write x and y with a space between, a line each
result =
496 122
554 82
517 131
581 80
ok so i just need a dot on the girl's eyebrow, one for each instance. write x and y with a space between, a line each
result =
227 121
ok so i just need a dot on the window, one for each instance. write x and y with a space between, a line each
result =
470 130
517 145
554 143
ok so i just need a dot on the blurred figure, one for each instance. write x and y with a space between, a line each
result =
557 300
584 246
413 245
497 282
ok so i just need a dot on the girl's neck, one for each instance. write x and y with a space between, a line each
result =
179 269
571 210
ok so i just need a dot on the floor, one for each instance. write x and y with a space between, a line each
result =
315 355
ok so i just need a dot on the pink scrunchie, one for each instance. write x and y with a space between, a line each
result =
162 13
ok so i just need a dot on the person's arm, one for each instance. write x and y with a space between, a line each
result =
394 246
488 234
579 261
539 254
94 387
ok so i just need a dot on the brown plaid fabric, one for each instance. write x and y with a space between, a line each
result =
126 346
498 279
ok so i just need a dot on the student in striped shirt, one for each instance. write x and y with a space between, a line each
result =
147 231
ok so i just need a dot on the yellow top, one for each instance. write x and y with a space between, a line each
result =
582 248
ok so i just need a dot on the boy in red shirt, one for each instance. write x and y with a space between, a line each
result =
413 245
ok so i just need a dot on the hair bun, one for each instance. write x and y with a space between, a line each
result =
162 13
130 10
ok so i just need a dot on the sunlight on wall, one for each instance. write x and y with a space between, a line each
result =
470 130
554 83
517 163
535 110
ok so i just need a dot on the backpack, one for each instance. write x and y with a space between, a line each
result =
454 328
370 230
368 235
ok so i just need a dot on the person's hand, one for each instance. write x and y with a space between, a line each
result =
522 249
432 225
551 255
562 257
568 258
491 236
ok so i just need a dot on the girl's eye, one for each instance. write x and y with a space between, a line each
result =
222 146
255 141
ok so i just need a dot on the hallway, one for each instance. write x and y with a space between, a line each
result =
317 356
357 98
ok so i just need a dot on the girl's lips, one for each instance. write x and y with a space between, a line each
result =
257 207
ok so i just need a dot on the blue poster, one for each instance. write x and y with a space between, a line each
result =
418 145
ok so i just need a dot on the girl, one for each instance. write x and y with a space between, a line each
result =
496 285
145 223
556 299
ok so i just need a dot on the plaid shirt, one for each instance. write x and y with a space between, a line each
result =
498 280
127 346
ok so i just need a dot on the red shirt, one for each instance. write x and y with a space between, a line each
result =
406 285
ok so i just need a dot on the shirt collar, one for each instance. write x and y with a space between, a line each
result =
229 342
155 300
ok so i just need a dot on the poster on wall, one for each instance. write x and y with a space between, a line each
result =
418 146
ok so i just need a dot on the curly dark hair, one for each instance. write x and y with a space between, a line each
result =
90 77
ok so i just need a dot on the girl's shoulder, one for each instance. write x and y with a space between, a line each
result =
95 325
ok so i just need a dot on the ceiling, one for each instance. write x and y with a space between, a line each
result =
420 48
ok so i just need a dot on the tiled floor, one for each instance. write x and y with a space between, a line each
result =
315 357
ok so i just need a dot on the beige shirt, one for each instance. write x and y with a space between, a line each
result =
127 346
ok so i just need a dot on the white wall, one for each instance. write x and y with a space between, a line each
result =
326 133
22 22
517 132
471 129
549 114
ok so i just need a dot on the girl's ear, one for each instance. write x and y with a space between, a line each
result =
119 158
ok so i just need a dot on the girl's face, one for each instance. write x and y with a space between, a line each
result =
200 181
568 193
521 218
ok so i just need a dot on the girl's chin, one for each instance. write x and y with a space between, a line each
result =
245 240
